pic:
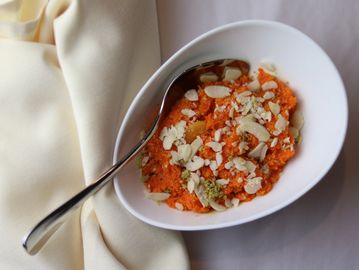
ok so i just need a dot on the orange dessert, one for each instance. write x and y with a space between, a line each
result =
223 143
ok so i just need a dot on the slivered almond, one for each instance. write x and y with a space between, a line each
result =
191 95
217 91
259 131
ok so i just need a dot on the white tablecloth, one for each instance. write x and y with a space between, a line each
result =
321 229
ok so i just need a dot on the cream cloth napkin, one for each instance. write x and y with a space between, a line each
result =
68 70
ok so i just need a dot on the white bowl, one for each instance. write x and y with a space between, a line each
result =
322 100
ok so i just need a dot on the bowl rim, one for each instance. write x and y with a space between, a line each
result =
340 142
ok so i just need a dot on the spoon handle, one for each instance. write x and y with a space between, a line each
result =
38 236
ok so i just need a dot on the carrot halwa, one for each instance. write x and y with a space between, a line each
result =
223 143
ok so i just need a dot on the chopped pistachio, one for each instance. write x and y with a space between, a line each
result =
212 190
185 174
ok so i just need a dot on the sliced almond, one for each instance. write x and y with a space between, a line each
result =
240 164
268 67
251 167
191 95
216 206
208 77
215 146
195 164
281 123
188 112
220 108
274 107
247 118
213 165
268 95
228 203
274 142
200 193
184 152
195 145
168 141
207 162
243 147
254 85
297 120
217 91
235 202
195 178
217 135
157 196
228 165
222 182
219 158
256 152
144 160
231 73
263 152
269 85
253 185
259 131
190 186
294 132
179 206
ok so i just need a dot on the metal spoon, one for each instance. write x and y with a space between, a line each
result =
38 236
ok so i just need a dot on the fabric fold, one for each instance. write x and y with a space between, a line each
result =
64 88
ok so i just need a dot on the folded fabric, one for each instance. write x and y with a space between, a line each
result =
68 70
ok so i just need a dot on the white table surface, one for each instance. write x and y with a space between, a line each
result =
321 229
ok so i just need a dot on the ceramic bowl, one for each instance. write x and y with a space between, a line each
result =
322 100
